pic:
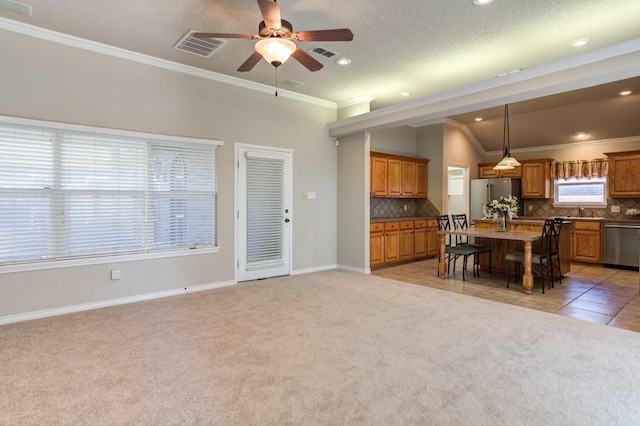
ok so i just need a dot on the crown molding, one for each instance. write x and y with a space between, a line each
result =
80 43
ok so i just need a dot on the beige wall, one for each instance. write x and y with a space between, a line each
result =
398 140
429 145
353 202
48 81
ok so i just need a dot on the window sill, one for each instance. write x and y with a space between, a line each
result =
87 261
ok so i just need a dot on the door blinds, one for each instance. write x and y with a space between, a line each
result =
265 212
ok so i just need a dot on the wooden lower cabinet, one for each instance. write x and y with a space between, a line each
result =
391 242
433 241
586 241
404 241
420 239
376 244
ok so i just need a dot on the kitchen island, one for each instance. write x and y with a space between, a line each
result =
500 248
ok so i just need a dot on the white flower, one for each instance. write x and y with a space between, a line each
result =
501 207
633 212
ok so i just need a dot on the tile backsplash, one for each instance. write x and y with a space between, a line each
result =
395 207
544 208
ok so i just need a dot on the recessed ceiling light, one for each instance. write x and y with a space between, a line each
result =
481 2
405 93
580 42
580 135
624 93
478 119
343 61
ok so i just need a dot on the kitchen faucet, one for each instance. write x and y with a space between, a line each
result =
580 211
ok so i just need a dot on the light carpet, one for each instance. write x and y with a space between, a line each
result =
324 348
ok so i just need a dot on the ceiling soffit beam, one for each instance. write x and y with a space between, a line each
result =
605 65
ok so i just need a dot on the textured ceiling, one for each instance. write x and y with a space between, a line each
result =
425 47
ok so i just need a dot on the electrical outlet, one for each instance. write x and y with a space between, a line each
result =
405 207
115 274
615 209
530 208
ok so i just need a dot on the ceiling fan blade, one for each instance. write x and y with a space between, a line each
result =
270 13
224 35
305 59
250 62
342 34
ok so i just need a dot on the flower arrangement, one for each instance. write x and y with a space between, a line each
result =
507 207
633 212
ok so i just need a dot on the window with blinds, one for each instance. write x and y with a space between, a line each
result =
67 194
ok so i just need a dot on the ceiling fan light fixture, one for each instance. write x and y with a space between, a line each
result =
275 50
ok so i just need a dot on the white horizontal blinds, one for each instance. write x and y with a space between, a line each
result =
26 181
67 194
182 195
265 212
101 195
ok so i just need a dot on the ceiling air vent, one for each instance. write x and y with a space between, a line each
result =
204 47
321 51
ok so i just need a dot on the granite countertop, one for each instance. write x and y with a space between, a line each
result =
524 219
399 219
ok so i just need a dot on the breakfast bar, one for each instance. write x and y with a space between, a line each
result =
526 237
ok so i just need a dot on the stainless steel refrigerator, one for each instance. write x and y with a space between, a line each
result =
484 190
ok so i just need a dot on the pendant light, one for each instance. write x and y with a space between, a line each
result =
508 162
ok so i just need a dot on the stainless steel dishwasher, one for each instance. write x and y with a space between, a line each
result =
621 245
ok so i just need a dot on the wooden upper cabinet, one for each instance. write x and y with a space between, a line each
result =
624 174
378 176
421 180
408 178
536 179
396 176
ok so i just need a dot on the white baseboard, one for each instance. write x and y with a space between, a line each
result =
8 319
354 269
314 269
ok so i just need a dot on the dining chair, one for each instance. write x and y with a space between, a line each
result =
453 253
460 222
554 250
540 256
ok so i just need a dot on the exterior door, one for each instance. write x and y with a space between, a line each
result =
263 214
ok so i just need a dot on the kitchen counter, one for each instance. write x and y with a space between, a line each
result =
573 218
400 219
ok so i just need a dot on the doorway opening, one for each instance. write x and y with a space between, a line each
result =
458 190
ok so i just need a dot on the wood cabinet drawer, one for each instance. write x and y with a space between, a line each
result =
391 226
418 224
432 223
406 224
586 225
376 227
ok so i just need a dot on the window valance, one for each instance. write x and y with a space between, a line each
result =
579 169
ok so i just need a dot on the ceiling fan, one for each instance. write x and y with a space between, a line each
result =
276 39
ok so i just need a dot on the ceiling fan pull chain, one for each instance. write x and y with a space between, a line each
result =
276 81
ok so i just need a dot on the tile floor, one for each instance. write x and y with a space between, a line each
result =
590 293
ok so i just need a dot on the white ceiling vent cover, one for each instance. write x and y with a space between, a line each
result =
321 51
204 47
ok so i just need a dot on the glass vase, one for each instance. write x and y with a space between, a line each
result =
500 223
